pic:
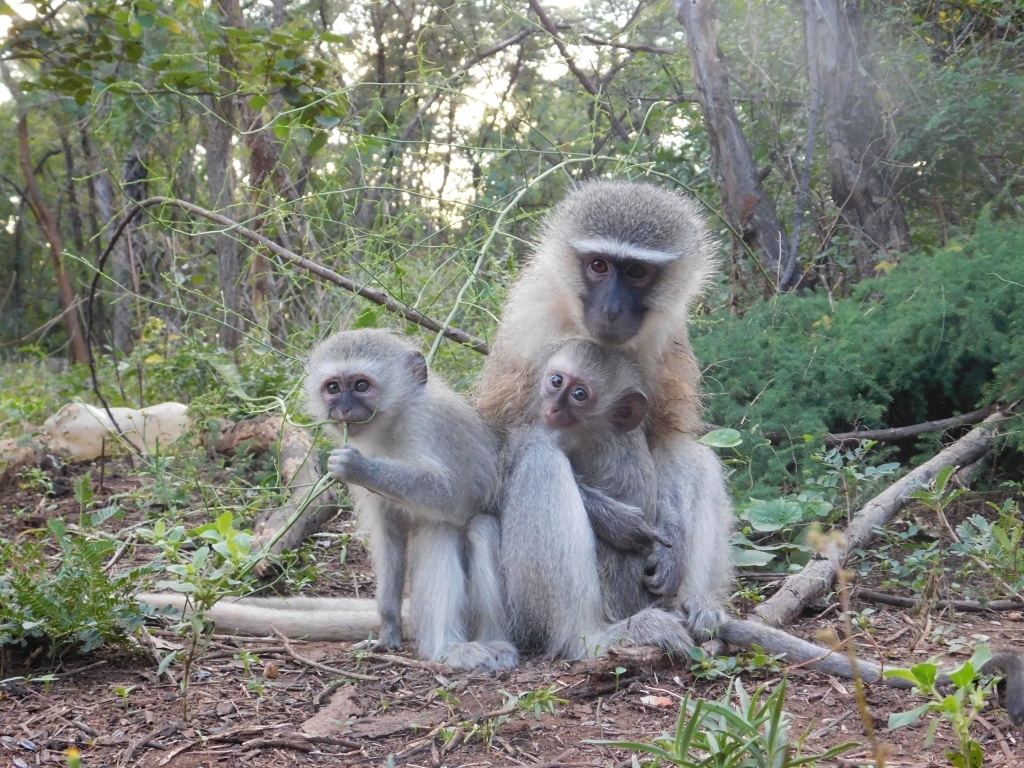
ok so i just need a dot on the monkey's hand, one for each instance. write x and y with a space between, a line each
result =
619 525
663 574
347 464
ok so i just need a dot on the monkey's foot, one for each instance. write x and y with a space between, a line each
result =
504 653
380 645
493 655
702 616
651 626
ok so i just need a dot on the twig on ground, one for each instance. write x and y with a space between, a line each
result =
957 605
322 667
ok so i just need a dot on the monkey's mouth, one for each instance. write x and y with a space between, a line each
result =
355 427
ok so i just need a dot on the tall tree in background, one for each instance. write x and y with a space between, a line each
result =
859 146
749 210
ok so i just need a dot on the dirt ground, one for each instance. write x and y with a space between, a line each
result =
266 703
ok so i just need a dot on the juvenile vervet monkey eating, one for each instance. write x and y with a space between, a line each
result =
593 400
422 470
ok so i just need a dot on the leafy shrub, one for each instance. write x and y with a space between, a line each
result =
74 605
939 335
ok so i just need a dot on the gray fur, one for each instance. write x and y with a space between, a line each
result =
422 471
421 467
552 583
691 509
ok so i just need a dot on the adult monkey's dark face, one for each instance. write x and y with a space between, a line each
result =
615 293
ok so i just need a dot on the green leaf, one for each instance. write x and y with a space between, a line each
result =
901 719
722 438
332 121
367 318
962 675
772 514
317 142
166 662
925 673
904 674
750 558
170 24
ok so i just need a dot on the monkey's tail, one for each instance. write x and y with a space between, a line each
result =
315 618
745 633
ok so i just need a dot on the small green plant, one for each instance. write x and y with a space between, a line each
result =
257 685
706 667
997 544
205 564
537 702
847 472
123 691
618 672
753 734
534 702
960 708
939 495
67 601
84 495
248 659
451 701
35 480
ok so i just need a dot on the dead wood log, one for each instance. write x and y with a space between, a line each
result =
819 574
300 469
890 435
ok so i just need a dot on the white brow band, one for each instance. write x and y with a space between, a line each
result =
616 249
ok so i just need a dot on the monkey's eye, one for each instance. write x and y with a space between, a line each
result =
556 381
579 394
637 272
599 266
361 385
332 388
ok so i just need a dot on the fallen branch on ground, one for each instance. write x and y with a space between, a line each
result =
819 574
957 605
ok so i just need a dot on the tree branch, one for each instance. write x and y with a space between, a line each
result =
372 294
818 575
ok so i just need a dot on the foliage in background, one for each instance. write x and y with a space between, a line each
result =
939 335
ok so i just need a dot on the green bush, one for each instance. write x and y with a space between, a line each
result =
941 334
64 602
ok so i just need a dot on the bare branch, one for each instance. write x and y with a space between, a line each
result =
372 294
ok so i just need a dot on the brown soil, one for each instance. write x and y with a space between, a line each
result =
300 703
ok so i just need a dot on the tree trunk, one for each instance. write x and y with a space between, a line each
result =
221 122
46 219
751 213
858 146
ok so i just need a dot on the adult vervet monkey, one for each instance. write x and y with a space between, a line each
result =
593 399
422 470
618 264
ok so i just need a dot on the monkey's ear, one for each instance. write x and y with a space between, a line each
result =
417 366
629 411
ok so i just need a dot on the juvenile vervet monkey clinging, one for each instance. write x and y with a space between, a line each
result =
618 264
422 470
593 399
